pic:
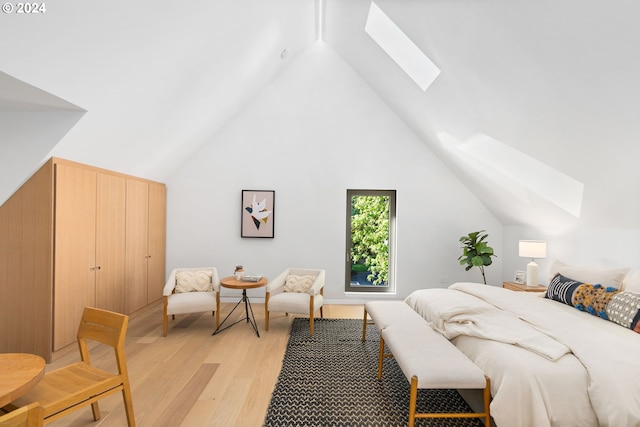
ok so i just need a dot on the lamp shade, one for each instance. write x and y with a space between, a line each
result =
532 249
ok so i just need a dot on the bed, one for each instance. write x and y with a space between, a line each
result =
550 364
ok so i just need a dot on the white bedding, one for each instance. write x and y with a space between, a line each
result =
597 383
454 313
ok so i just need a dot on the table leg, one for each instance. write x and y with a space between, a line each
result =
253 321
246 303
247 308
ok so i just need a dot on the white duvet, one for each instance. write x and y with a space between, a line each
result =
549 364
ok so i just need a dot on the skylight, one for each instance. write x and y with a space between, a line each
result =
400 48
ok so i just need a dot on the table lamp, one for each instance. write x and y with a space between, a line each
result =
532 249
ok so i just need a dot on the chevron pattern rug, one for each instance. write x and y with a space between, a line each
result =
330 379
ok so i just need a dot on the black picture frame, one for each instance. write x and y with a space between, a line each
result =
258 214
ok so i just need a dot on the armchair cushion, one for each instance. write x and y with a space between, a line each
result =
295 283
294 302
194 281
191 302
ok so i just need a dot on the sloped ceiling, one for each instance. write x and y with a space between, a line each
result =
530 93
535 108
157 79
31 123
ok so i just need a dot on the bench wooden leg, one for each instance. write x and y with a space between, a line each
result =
413 398
487 401
364 326
380 357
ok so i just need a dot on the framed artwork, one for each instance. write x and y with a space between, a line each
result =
257 213
519 277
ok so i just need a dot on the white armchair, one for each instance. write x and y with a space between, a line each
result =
296 290
191 290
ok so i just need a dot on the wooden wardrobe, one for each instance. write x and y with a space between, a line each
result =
73 236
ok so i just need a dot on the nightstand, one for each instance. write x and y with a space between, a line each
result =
521 287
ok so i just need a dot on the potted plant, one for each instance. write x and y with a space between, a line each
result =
476 252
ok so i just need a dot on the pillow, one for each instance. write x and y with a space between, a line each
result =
593 299
586 297
624 309
632 281
294 283
562 288
605 277
194 281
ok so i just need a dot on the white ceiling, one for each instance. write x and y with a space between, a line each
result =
554 81
535 108
157 79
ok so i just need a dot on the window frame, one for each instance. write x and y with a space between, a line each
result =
391 277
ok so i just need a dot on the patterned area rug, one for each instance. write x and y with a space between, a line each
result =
330 379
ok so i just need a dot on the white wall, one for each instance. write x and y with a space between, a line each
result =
589 247
311 134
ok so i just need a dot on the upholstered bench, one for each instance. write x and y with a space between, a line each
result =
386 313
427 359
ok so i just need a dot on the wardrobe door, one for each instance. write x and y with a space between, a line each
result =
110 242
75 250
157 238
136 244
26 267
5 300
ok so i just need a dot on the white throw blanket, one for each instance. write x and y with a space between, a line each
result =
453 313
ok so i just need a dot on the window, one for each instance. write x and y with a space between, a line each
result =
370 248
400 48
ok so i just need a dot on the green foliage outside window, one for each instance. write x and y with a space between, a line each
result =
370 236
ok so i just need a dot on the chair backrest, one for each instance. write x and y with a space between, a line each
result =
171 283
26 416
106 327
301 279
304 272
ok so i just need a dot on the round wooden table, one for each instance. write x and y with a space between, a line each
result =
232 283
19 372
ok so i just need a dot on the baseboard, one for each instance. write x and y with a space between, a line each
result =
332 301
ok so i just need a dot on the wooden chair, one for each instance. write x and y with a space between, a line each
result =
75 386
27 416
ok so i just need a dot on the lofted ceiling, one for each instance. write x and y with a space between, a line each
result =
534 100
535 108
157 79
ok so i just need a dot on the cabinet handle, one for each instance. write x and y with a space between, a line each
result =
97 267
148 256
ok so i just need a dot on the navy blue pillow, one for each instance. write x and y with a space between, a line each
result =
562 288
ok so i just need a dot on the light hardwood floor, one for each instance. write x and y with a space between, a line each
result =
193 379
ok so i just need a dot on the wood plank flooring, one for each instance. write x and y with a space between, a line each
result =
193 379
